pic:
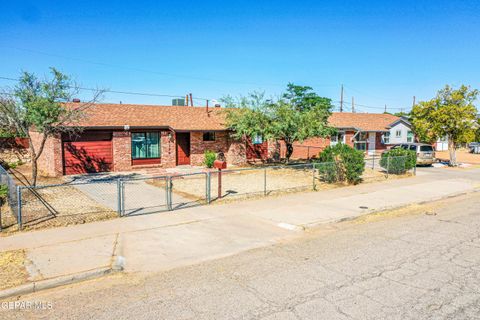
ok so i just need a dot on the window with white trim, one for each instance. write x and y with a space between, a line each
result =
386 138
398 133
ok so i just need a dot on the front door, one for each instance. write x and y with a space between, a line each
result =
371 142
183 148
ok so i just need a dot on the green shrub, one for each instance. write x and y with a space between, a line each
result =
341 163
209 158
3 193
398 161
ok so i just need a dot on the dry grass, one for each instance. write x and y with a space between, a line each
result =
12 269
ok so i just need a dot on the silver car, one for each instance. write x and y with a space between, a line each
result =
425 152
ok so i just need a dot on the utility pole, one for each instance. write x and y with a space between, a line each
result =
413 101
191 99
341 100
353 105
385 109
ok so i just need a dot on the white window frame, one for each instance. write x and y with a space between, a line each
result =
398 133
386 137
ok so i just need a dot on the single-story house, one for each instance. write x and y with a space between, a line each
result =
126 137
370 132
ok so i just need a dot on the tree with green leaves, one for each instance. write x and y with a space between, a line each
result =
450 114
39 105
298 115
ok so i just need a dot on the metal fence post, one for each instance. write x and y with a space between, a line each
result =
388 166
168 189
119 197
208 186
19 207
415 166
314 187
373 162
265 181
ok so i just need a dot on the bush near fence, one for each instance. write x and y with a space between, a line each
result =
209 158
349 164
398 161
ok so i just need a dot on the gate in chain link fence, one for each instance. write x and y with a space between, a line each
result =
11 197
92 200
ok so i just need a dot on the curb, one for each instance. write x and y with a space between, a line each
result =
313 225
36 286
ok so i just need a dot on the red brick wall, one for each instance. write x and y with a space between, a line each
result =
122 150
348 138
307 149
168 149
234 151
50 162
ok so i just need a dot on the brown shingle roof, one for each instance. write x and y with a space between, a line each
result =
134 115
197 118
362 121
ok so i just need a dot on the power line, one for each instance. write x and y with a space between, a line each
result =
152 71
120 92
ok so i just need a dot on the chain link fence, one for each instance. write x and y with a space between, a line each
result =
65 204
143 195
94 199
8 219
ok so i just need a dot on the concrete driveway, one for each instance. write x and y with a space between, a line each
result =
140 197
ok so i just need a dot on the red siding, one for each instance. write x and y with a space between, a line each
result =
87 156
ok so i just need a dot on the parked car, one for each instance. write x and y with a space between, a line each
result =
425 152
474 147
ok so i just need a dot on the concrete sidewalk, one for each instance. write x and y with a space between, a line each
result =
171 239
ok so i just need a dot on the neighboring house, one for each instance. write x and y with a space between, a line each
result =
400 131
369 132
441 144
124 137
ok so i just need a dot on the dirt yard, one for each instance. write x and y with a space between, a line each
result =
52 207
242 184
463 156
12 269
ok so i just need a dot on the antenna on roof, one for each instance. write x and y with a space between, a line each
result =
341 99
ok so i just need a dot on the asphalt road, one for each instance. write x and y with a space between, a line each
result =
417 263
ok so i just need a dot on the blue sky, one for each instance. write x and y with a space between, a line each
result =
384 52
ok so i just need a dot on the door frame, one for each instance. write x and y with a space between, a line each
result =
187 134
372 143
